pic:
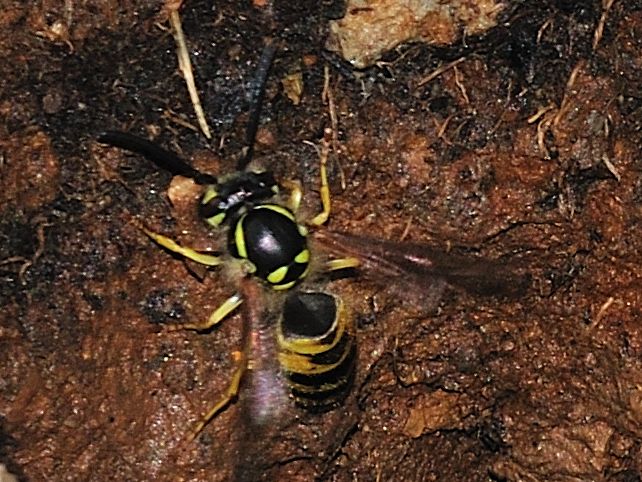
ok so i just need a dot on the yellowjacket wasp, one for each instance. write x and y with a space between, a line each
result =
308 343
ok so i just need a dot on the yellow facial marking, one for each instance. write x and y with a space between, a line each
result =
216 220
248 267
209 194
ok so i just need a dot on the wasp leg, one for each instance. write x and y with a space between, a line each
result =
189 253
324 190
232 303
228 397
296 193
342 263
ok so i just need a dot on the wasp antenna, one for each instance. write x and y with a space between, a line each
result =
257 92
150 150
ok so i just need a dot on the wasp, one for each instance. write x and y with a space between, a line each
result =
266 243
308 343
314 339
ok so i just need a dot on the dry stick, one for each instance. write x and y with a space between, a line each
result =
406 230
566 103
27 263
600 314
441 129
597 36
185 65
328 96
178 120
440 70
540 32
461 85
545 117
552 115
611 167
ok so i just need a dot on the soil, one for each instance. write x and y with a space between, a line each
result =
519 144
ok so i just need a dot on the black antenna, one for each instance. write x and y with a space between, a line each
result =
257 93
161 157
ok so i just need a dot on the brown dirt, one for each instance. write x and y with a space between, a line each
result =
544 388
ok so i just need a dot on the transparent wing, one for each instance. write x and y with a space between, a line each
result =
263 397
421 267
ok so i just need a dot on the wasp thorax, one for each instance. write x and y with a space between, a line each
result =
269 237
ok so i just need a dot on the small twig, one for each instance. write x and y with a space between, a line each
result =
540 32
185 65
552 115
328 96
542 110
545 116
27 263
600 314
406 230
441 129
609 165
599 30
565 105
180 121
461 86
440 70
13 259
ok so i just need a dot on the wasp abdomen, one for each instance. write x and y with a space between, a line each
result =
316 349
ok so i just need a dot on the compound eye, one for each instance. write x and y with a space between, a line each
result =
210 207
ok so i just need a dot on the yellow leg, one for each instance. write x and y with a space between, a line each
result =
295 194
189 253
342 263
232 303
228 397
324 190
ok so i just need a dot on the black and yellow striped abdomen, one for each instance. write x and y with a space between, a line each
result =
317 350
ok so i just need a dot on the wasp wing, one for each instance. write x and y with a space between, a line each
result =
263 395
263 384
422 267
